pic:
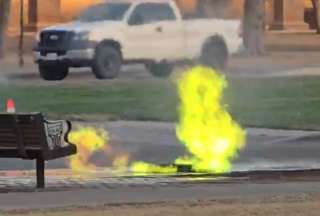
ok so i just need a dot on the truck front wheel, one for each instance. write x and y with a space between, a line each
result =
53 72
107 62
215 53
160 69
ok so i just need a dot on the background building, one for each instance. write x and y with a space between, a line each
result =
280 14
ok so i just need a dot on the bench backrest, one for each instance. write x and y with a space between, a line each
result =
31 132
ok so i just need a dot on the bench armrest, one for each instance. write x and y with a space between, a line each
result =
57 133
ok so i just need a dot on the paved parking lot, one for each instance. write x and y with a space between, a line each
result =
273 64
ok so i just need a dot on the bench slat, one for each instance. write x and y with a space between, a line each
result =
27 148
26 136
12 142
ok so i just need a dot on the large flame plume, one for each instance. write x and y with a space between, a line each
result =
207 130
205 127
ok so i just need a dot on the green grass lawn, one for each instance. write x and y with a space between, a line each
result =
268 102
276 102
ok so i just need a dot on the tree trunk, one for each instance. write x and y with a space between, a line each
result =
4 17
21 38
253 26
316 14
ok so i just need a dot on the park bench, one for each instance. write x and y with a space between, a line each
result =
32 137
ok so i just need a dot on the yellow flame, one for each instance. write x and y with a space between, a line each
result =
88 140
207 130
205 127
143 168
121 162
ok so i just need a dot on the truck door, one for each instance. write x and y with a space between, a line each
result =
154 32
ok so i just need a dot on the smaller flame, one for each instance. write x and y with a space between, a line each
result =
89 141
121 162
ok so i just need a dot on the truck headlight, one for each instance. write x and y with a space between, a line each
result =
81 36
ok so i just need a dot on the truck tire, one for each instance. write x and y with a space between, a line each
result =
107 62
159 69
53 72
215 53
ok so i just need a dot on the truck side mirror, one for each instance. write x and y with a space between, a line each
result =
135 19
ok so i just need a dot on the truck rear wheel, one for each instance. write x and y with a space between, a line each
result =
159 69
53 72
107 62
215 53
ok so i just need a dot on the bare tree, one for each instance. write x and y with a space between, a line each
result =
253 26
316 12
21 38
4 15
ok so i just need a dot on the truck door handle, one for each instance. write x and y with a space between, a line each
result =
159 29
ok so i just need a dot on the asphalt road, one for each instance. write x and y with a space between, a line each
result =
156 143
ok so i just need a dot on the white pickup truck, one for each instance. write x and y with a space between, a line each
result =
117 32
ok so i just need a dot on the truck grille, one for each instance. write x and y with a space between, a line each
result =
55 39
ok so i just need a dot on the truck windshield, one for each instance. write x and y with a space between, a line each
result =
107 11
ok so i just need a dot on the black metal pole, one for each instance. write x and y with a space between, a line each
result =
40 173
21 39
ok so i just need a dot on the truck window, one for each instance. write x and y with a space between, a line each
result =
105 11
151 12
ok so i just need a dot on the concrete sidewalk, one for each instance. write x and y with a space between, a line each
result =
154 194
